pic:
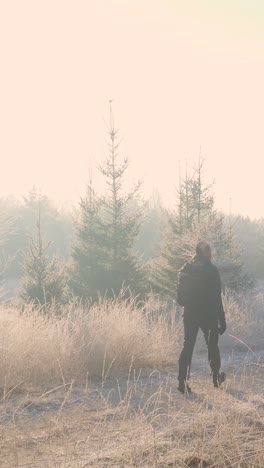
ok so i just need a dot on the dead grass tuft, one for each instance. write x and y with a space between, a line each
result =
46 349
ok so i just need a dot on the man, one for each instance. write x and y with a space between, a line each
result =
199 292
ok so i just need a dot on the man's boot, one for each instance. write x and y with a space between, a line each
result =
218 379
183 387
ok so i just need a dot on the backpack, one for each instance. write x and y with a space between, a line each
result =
192 286
184 286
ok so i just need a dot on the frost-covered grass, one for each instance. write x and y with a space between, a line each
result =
46 348
97 386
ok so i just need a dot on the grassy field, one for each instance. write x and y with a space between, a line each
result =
98 388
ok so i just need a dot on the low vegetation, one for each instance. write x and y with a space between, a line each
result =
45 347
97 386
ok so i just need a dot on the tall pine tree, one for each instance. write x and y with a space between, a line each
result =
103 259
121 219
194 219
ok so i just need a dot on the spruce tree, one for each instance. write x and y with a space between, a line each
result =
7 231
195 219
121 220
103 259
43 280
89 271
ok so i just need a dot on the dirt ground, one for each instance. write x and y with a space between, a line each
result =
140 420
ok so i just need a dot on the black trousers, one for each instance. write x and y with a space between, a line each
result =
209 326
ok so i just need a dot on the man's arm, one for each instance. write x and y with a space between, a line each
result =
220 307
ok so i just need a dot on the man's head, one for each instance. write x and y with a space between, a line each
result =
203 249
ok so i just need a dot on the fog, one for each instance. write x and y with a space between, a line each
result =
182 77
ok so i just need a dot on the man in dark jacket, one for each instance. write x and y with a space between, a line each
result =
199 291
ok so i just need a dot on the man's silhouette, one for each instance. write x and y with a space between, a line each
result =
199 291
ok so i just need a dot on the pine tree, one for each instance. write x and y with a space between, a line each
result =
7 231
43 280
89 272
195 219
103 261
121 221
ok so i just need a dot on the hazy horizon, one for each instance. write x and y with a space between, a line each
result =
181 75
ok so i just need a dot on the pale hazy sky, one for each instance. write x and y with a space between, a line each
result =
182 74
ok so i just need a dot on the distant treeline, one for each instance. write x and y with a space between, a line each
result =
120 242
58 227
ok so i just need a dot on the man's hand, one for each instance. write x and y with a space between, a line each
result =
222 328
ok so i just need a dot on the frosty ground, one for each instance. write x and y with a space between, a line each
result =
141 420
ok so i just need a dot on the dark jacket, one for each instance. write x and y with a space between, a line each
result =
205 297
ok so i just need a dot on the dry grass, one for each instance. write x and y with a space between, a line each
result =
47 349
245 320
43 349
142 422
78 390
